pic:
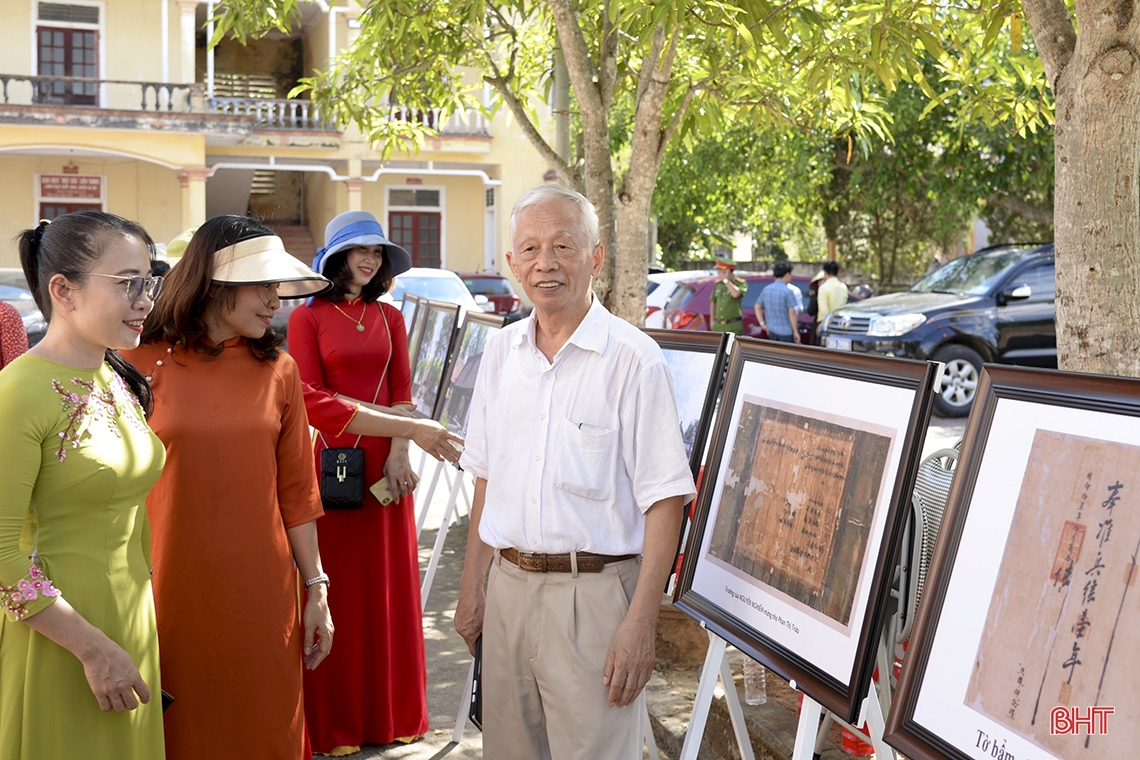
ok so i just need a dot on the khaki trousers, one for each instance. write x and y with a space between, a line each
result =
545 640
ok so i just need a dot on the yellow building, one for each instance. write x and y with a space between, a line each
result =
118 105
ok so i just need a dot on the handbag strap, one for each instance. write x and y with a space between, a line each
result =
383 375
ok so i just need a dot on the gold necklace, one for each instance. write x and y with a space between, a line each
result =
359 322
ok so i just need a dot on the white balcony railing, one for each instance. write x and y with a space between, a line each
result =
80 92
271 113
165 97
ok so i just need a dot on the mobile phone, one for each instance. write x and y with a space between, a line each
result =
382 492
476 712
167 700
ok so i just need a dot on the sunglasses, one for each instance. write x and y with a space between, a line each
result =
137 285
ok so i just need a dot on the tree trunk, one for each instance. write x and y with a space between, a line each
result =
1096 83
1097 205
635 196
628 295
599 176
593 85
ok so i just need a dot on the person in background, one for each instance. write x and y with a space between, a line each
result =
581 477
79 664
159 268
352 352
776 307
235 510
725 300
13 336
832 291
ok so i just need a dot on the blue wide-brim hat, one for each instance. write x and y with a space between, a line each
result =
353 228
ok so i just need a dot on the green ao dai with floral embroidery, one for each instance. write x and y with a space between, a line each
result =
78 461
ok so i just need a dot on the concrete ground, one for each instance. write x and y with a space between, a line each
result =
670 693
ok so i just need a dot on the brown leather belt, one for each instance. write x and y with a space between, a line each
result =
560 563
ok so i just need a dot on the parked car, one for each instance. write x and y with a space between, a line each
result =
688 309
436 284
14 289
498 290
662 286
992 306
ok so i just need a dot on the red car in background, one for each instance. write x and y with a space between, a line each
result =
688 309
498 290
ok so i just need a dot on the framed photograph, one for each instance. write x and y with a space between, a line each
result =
415 328
697 361
1027 641
801 511
435 334
459 380
408 309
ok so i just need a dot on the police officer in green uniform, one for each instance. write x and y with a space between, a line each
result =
725 301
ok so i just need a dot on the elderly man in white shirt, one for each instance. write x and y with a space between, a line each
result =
581 482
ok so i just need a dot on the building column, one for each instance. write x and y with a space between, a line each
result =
193 181
188 9
355 201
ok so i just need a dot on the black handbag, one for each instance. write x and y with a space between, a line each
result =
342 469
342 478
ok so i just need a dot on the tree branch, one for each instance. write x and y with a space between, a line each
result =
1021 208
647 144
650 65
567 172
675 122
1053 33
772 15
607 57
583 74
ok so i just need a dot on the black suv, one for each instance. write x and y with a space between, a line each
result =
995 305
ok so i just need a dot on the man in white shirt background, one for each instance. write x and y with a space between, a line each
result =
581 480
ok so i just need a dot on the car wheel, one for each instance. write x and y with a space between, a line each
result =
959 380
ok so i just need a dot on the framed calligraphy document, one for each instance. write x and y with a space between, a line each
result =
696 361
463 368
1026 643
802 509
433 334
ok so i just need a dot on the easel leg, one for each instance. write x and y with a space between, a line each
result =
703 702
461 518
735 711
464 706
650 740
821 735
440 539
810 714
425 503
876 725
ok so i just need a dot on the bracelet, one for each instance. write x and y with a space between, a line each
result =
322 578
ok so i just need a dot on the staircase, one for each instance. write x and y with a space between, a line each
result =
297 239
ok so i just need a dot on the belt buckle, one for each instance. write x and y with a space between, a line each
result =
536 561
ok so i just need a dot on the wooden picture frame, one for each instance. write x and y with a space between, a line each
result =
801 511
697 360
415 329
462 369
435 335
1031 601
408 309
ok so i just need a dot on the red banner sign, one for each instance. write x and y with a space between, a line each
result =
71 186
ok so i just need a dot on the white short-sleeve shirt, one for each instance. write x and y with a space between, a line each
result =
576 450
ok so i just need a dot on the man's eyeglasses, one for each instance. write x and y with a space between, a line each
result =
137 285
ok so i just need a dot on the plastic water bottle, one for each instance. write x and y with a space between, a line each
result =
755 682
